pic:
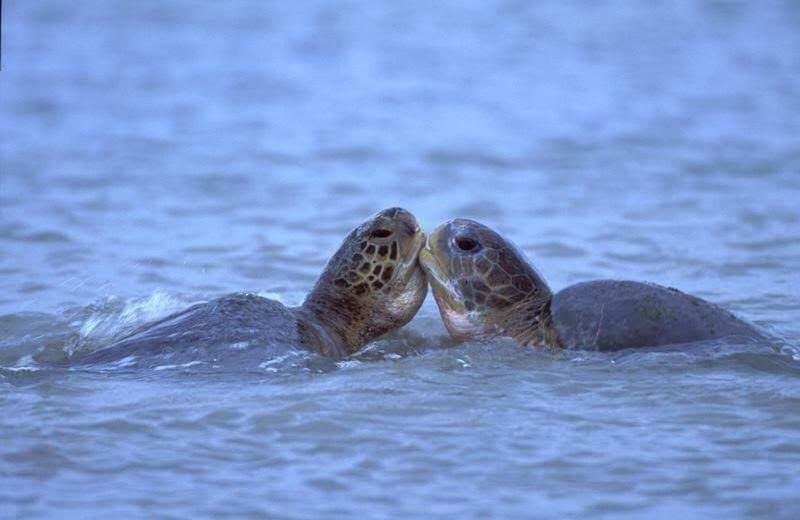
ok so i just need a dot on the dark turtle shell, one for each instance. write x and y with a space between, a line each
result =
612 315
232 325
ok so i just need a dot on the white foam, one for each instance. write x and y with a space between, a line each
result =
124 362
150 308
349 363
184 365
277 360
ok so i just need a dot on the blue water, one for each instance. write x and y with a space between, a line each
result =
156 154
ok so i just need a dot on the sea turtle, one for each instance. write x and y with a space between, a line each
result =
372 285
485 287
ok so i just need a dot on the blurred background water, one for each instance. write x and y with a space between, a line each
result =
153 154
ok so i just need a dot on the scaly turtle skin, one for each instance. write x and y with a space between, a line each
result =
372 285
485 287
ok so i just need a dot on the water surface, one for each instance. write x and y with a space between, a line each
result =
158 154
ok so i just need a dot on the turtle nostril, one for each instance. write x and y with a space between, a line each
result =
466 244
409 228
381 233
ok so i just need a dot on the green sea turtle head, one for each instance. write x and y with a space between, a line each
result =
373 284
483 284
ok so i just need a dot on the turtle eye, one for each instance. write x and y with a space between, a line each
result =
466 244
381 233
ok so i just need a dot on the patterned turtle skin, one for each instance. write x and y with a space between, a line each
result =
372 285
485 287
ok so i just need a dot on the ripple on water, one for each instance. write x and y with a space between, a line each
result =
44 237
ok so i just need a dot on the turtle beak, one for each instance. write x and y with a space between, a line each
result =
404 218
412 227
433 269
418 238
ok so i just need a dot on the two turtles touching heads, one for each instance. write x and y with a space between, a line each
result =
485 287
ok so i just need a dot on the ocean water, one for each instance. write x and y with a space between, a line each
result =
155 154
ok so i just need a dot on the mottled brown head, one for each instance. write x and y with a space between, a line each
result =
373 284
484 286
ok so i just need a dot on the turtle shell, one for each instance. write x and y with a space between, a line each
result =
613 314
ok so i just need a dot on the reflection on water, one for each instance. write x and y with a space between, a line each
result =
158 154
